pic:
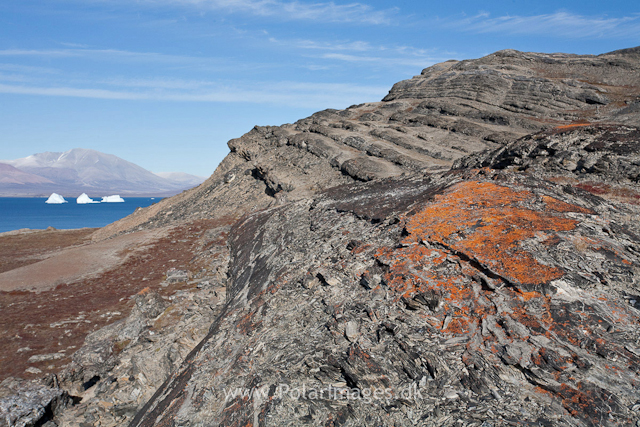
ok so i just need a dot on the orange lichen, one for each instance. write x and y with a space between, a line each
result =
488 222
482 222
564 207
573 125
461 249
529 295
540 390
459 325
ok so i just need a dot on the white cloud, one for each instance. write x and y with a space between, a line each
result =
293 94
158 83
351 58
33 52
75 45
66 91
18 68
559 24
291 10
102 54
209 64
412 61
358 46
364 52
13 78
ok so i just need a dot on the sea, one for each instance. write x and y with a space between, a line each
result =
34 213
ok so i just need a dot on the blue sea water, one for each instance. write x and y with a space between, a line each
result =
16 213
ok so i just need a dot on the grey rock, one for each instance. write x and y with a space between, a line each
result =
174 276
27 404
150 304
352 331
282 337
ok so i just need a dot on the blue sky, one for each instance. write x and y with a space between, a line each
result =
166 83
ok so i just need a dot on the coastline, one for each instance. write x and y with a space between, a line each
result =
19 214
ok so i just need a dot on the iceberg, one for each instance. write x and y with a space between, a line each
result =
84 199
55 199
112 199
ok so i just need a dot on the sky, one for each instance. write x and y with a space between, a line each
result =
166 83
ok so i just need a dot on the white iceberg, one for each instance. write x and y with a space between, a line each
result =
55 199
112 199
84 199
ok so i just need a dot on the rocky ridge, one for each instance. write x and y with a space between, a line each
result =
369 284
424 124
603 159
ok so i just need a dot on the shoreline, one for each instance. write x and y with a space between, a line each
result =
24 215
76 196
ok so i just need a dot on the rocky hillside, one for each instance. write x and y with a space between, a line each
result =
423 125
603 159
464 252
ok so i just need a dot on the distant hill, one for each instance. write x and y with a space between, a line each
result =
13 176
86 171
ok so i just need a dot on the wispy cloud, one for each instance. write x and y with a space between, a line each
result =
158 83
66 91
560 24
13 78
77 45
290 10
364 52
19 68
117 56
357 46
399 60
102 54
351 58
293 94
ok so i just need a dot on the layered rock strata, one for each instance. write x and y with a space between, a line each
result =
424 124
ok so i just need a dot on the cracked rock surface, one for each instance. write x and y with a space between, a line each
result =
603 159
469 296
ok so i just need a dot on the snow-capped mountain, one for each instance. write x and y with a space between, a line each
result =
84 171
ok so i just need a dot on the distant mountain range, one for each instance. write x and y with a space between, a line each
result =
86 171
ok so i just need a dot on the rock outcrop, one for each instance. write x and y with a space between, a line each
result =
31 403
603 159
464 252
468 296
424 124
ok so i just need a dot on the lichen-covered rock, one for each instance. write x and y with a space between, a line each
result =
603 159
499 297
